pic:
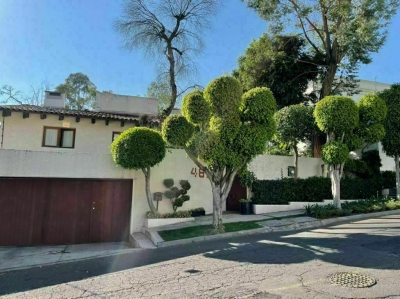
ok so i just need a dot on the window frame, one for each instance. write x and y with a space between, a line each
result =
59 136
113 133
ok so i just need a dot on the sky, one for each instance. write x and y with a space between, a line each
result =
50 39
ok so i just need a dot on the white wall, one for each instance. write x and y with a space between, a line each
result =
27 134
111 102
177 166
21 163
387 162
269 167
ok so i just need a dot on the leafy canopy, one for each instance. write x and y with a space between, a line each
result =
391 141
294 124
336 114
281 64
138 148
80 91
342 33
349 125
238 127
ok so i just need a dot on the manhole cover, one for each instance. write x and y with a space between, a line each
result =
352 280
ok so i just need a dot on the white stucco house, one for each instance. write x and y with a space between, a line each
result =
58 183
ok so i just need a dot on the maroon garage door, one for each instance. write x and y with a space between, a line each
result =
39 211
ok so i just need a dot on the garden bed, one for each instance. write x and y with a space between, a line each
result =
204 230
296 205
150 223
352 208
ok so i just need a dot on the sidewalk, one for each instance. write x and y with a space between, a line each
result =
274 222
231 217
12 258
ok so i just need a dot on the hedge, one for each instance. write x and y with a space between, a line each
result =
313 189
389 179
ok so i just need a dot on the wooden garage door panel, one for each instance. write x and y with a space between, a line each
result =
122 210
67 212
35 211
111 213
21 206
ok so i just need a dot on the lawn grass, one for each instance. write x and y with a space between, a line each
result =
204 230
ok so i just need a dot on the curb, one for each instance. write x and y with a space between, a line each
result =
283 228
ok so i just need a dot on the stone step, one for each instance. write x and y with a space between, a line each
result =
140 240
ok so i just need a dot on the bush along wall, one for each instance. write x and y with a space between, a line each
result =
313 189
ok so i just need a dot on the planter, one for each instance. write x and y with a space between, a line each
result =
198 213
246 208
149 223
293 205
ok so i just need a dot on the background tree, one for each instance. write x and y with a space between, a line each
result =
294 124
342 33
391 141
221 130
80 91
281 64
348 127
139 149
170 29
161 91
10 95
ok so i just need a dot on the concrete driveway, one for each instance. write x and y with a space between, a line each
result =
12 258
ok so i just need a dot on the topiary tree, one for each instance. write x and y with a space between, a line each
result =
139 149
348 127
391 141
221 130
294 124
175 195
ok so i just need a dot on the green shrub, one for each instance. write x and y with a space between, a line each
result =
355 207
195 108
177 196
168 183
388 179
181 128
197 210
313 189
138 148
179 214
245 200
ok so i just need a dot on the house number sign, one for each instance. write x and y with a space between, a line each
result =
196 173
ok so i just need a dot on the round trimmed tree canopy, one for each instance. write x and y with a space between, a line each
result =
138 148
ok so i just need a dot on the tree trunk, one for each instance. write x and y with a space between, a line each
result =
174 91
335 183
318 142
327 83
218 227
326 90
396 160
148 192
296 162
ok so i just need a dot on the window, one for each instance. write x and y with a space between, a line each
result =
115 135
58 137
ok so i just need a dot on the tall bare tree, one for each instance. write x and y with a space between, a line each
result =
171 30
10 95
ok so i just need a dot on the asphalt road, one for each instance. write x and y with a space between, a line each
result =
285 265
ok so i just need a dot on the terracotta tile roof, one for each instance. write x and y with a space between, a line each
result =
81 113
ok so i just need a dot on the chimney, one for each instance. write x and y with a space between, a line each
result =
54 99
